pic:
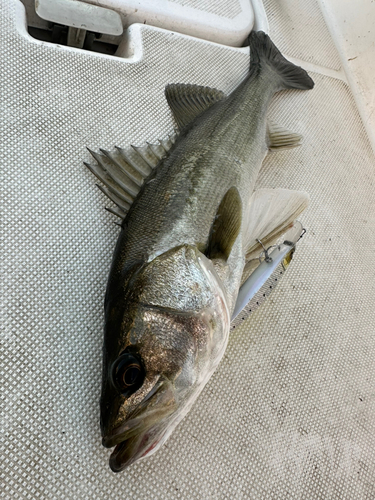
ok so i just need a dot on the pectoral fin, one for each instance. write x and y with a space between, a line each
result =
272 211
226 226
187 102
279 137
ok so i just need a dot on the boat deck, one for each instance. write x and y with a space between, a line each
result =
290 412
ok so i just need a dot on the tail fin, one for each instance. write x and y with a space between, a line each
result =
264 53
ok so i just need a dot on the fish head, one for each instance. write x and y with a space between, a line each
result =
164 336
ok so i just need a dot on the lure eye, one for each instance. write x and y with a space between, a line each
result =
128 373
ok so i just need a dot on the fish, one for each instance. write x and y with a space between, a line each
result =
191 224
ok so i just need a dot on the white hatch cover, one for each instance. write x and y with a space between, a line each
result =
225 21
80 15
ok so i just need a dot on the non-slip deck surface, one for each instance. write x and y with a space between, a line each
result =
290 412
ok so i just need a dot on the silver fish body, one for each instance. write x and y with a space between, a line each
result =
180 256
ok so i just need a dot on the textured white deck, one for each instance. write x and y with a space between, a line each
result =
290 412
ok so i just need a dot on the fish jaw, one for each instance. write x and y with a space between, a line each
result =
140 446
133 449
143 434
180 349
138 439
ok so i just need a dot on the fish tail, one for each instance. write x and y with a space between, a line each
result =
263 53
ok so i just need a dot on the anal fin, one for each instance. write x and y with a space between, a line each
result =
279 137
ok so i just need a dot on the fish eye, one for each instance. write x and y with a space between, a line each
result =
128 373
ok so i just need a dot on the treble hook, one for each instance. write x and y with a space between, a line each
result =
304 231
267 258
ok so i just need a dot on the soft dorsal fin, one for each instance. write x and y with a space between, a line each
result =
123 171
226 226
271 212
187 101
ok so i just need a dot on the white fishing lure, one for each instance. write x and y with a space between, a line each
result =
263 280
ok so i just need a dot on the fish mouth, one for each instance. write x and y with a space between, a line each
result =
142 434
133 449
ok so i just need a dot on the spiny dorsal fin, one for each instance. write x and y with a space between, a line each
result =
158 150
167 143
226 226
105 178
133 163
147 154
116 211
187 101
120 168
123 171
279 137
115 198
